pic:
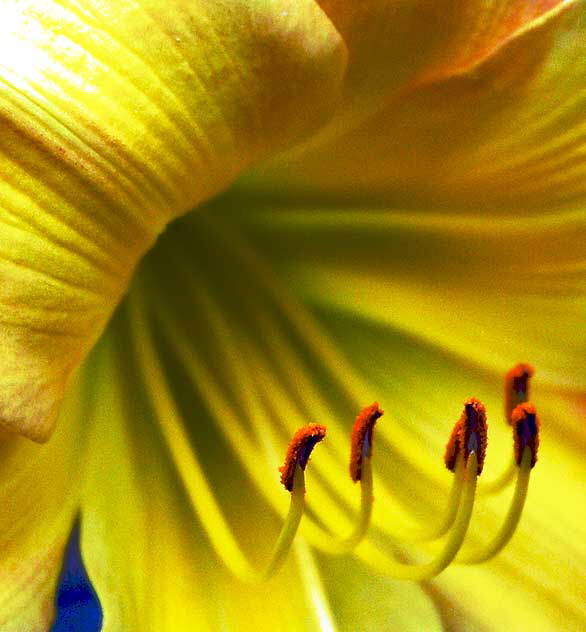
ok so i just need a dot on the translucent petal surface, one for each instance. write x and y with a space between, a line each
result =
504 135
420 40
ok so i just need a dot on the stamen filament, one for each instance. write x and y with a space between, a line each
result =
262 390
249 395
511 522
438 530
361 471
288 530
356 389
501 482
326 542
455 538
339 546
228 421
198 488
306 393
319 538
225 336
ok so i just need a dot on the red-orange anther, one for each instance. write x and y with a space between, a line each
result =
299 451
517 387
469 435
361 440
525 431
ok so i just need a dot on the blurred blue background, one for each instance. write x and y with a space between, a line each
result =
78 608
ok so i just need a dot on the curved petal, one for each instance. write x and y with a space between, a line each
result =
39 496
506 135
401 43
117 117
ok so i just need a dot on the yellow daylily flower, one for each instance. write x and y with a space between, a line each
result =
408 225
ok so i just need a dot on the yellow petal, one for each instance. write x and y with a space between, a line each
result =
115 119
405 42
504 135
363 599
488 290
39 495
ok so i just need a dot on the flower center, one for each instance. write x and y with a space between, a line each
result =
256 387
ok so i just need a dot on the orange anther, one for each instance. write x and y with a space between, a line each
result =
517 387
299 451
525 431
361 439
469 435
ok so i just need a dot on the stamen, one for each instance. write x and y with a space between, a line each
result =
308 329
254 406
299 451
516 392
442 525
453 543
468 436
517 387
198 487
306 394
360 470
361 442
525 431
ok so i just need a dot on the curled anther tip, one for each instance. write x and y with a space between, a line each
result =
521 370
361 438
517 386
525 431
299 451
468 435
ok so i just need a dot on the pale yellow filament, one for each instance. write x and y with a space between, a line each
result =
357 390
196 483
259 393
239 439
499 483
386 564
233 361
445 522
511 522
227 420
